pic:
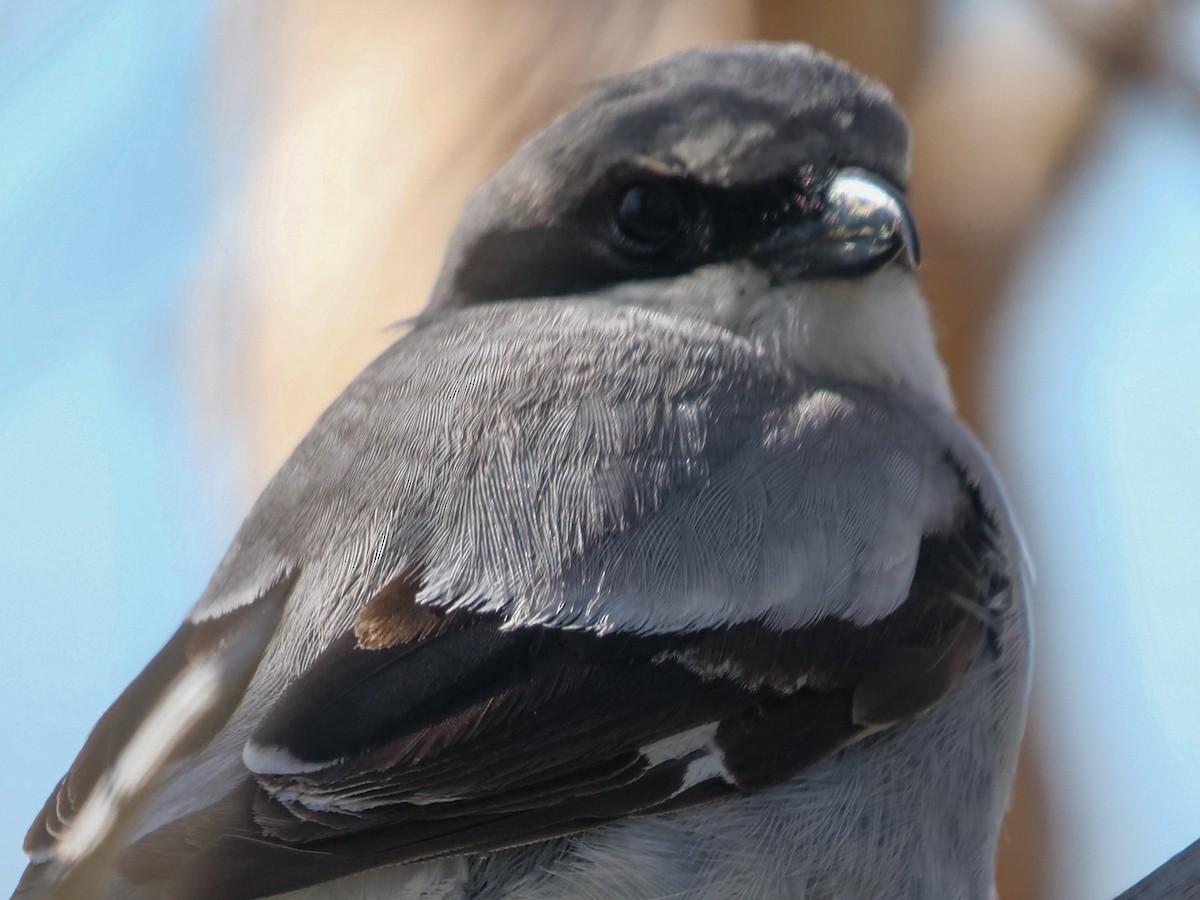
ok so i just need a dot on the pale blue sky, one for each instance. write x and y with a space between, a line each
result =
112 518
107 527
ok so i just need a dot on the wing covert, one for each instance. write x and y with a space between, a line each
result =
423 733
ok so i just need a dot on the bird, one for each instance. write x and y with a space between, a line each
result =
1176 879
651 561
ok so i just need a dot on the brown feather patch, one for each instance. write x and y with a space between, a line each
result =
909 680
394 617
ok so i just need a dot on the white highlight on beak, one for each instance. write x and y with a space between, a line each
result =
869 219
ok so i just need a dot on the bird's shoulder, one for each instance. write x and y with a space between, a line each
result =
547 566
526 455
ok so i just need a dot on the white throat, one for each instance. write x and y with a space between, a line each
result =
872 330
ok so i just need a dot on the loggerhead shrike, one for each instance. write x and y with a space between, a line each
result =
652 562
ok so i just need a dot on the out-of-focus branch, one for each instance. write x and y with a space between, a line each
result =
884 40
1126 39
992 145
1119 35
1176 879
378 121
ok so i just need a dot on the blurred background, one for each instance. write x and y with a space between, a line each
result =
211 211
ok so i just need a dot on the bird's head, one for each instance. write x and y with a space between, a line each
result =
760 187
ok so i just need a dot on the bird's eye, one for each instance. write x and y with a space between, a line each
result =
648 216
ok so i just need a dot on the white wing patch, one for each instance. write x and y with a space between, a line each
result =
700 744
265 760
249 591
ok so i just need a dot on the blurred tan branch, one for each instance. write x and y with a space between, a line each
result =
1126 39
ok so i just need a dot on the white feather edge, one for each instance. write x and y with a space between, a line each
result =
192 695
702 740
271 760
81 855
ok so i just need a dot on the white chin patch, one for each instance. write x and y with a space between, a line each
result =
872 330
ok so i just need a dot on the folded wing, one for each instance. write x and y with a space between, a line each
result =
423 733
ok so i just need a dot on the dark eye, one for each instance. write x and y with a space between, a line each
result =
648 216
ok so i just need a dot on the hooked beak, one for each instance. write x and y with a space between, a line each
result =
864 224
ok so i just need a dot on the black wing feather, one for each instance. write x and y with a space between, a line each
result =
423 734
